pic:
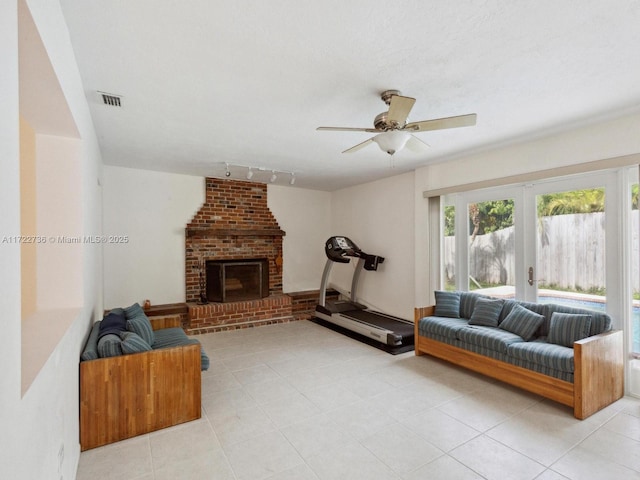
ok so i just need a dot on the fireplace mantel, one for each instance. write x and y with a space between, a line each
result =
234 232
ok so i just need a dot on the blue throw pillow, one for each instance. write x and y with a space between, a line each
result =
112 323
447 304
133 343
133 311
486 312
109 346
90 351
141 325
566 328
522 322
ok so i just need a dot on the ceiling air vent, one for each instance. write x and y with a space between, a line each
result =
110 99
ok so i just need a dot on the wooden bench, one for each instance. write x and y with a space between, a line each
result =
598 372
129 395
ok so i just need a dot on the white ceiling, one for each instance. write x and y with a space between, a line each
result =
206 82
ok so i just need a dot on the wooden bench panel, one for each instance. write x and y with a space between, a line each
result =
128 395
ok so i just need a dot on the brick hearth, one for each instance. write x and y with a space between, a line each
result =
234 223
215 317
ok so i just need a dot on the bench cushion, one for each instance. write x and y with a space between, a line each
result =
175 337
488 337
545 354
442 327
90 351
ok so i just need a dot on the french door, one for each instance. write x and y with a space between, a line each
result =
550 241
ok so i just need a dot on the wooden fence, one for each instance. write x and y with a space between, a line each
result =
570 252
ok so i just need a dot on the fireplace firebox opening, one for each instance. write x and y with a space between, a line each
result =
237 280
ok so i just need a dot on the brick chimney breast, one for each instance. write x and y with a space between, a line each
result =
234 223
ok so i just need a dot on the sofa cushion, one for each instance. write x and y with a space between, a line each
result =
447 304
441 326
118 310
175 337
133 311
112 323
491 338
522 322
133 343
141 325
109 346
468 302
542 353
486 312
600 321
90 351
567 328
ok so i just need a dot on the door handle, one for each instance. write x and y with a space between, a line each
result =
530 276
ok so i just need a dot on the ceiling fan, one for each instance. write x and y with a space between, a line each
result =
393 131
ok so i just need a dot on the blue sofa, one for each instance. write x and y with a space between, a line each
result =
567 354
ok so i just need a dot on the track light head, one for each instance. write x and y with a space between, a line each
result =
249 174
273 176
293 179
227 173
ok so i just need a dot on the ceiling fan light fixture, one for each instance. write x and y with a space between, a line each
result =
392 142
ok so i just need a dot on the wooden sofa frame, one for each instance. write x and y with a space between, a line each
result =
598 374
133 394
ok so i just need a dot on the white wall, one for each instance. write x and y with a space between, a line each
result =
305 217
9 253
35 426
58 167
150 209
379 218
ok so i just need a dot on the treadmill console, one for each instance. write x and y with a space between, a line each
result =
339 249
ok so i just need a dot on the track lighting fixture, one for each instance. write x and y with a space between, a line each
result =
255 173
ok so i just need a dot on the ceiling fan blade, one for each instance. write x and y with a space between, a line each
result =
348 129
442 123
399 109
357 147
416 145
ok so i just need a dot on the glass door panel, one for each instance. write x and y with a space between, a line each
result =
570 248
491 247
449 248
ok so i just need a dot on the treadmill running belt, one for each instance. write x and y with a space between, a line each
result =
382 321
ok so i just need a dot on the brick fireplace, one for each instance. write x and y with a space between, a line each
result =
234 224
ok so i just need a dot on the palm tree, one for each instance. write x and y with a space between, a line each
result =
576 201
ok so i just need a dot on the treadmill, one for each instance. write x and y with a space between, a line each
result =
386 329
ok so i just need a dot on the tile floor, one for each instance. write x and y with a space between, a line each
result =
299 402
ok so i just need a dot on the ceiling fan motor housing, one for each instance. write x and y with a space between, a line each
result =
381 122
